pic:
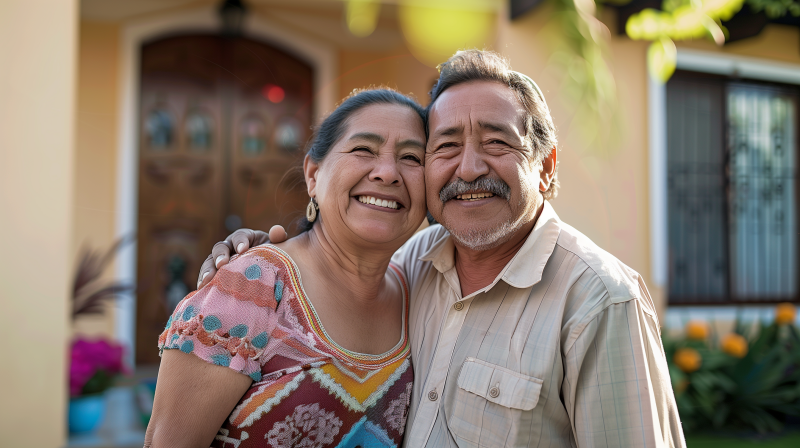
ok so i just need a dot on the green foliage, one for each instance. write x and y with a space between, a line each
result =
693 19
98 383
88 291
672 5
588 83
789 440
757 391
679 20
662 58
683 19
776 8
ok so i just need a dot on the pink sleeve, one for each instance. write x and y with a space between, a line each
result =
228 322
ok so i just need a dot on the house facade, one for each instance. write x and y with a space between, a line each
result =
151 118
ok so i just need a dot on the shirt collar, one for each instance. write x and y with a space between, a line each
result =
441 253
525 269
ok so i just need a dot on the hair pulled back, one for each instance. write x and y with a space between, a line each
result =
334 125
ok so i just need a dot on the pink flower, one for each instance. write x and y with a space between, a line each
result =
88 357
80 372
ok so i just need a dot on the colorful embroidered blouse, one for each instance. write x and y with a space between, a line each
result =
307 391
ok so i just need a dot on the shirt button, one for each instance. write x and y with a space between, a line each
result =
494 392
432 395
459 306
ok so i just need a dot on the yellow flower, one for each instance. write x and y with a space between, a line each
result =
734 345
697 329
785 313
687 359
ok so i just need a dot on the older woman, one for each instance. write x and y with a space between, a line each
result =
304 343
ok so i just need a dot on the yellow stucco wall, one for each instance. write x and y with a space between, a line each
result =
776 42
96 153
37 93
397 69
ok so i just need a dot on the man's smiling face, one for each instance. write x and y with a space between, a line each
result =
482 178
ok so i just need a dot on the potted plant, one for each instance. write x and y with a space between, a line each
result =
94 363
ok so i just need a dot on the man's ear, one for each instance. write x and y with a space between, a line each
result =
548 170
310 171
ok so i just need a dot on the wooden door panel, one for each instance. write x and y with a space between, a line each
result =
272 94
180 183
201 99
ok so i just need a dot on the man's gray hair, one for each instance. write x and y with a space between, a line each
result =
482 65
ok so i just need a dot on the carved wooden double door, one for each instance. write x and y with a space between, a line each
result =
223 123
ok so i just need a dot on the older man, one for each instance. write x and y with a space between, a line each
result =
524 333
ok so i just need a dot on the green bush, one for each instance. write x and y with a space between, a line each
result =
746 380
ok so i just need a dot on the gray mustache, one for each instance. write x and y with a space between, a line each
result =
459 186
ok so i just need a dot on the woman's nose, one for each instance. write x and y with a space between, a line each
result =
386 172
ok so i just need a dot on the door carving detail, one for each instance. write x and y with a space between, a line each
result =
222 124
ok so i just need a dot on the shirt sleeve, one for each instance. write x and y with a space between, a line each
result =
229 321
617 388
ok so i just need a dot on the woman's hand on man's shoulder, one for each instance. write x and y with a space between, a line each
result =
237 242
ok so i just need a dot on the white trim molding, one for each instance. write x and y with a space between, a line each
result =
738 66
321 55
718 64
657 136
678 316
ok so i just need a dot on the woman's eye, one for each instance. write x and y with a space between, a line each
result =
361 148
412 157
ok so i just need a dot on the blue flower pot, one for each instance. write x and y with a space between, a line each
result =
86 413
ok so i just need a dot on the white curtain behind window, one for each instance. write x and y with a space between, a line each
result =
762 164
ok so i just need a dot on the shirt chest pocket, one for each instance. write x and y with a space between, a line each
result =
492 405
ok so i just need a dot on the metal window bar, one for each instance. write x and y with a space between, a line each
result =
697 215
732 191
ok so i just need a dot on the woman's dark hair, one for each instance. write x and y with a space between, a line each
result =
482 65
334 125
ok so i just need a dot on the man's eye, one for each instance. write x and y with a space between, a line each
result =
361 148
497 142
446 145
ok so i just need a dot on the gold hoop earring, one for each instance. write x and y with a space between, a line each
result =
311 210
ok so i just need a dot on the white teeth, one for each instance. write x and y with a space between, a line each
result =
378 202
474 196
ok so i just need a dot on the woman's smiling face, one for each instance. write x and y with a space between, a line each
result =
371 185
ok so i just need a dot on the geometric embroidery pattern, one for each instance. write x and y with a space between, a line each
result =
355 395
255 318
265 397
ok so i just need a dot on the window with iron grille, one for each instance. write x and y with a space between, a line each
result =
732 190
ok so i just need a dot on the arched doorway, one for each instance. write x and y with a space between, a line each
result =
221 123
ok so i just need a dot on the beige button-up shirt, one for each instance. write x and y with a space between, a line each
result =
562 349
